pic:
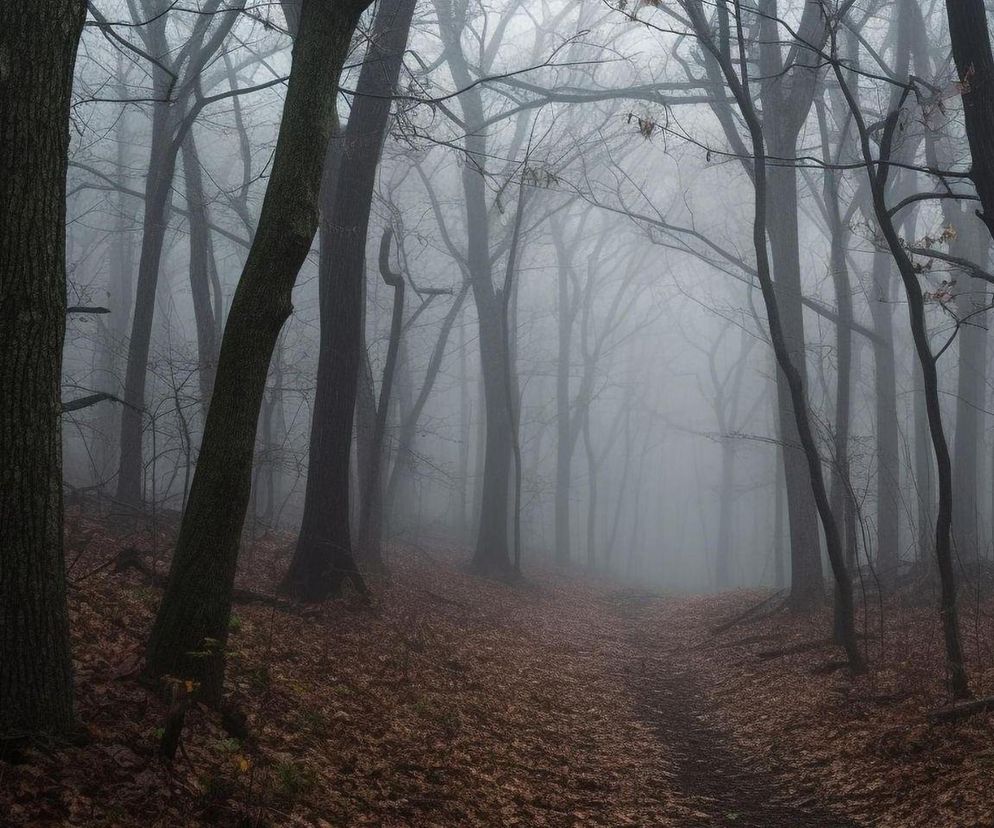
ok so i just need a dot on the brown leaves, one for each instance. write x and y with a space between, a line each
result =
496 705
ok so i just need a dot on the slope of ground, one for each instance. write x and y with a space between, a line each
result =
449 701
456 701
862 747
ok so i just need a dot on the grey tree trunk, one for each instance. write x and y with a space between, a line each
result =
491 554
324 546
564 442
170 124
972 243
38 46
885 401
201 262
806 584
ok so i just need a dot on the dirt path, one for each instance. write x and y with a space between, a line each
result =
728 788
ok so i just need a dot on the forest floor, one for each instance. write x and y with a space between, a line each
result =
454 701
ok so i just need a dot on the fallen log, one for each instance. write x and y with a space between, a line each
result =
962 710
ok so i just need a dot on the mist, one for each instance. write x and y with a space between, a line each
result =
645 333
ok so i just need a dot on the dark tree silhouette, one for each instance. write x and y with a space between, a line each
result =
37 56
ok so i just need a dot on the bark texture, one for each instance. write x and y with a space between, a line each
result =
324 555
191 626
37 54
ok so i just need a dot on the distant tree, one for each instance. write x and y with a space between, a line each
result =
37 56
176 92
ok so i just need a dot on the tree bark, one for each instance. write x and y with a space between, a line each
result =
323 555
201 262
971 41
885 402
491 554
191 626
972 242
37 55
371 503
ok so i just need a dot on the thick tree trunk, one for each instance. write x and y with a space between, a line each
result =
972 243
191 627
465 434
806 584
38 47
324 546
971 41
779 514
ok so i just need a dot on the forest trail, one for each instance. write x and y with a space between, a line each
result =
457 701
727 787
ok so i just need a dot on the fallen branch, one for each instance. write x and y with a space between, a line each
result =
745 614
86 309
131 558
962 710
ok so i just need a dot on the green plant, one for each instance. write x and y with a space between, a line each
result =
292 781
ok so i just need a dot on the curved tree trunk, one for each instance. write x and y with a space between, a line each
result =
323 555
191 626
38 43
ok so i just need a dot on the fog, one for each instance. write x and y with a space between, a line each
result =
643 380
469 412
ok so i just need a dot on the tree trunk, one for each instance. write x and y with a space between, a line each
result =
158 192
491 554
403 462
191 626
877 177
972 243
371 503
885 400
971 41
787 348
200 269
324 546
564 438
38 46
806 584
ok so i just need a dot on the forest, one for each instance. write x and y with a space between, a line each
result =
496 412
